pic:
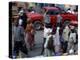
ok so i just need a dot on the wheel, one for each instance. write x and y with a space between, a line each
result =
37 25
67 22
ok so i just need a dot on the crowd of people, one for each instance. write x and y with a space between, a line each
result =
56 41
59 40
22 33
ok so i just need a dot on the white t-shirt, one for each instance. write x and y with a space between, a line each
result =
46 30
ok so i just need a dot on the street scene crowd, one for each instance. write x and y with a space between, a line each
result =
50 40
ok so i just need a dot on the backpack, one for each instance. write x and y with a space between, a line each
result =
50 44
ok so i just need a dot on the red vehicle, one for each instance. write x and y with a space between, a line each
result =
38 19
66 16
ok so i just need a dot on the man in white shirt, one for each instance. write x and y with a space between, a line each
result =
46 30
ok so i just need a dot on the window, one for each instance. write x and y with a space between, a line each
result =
53 12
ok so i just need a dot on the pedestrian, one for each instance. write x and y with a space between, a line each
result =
48 46
30 33
18 38
14 23
65 37
46 30
23 17
72 41
57 44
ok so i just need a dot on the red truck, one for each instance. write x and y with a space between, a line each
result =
38 19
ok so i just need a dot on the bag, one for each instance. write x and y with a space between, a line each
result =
50 43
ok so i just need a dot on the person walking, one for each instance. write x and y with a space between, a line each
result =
48 46
57 44
18 38
30 33
65 37
72 41
22 16
46 30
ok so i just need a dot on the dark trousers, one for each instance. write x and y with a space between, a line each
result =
44 40
17 47
65 46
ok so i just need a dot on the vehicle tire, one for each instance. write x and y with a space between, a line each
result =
37 25
67 22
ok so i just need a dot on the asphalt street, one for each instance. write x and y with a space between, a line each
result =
38 44
35 52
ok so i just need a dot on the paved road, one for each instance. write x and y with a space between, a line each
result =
38 45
